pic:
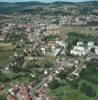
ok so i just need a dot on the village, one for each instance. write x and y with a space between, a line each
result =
40 53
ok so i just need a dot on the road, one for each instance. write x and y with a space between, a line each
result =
53 73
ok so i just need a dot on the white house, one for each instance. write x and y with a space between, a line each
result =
43 50
96 50
56 51
1 39
61 43
80 43
90 45
80 48
45 72
53 47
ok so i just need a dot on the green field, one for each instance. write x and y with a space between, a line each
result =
80 29
4 57
6 50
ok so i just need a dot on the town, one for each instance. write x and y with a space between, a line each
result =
49 57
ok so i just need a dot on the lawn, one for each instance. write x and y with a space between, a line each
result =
79 29
4 57
6 51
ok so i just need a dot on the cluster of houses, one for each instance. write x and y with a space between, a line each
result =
19 92
54 48
37 24
82 49
78 20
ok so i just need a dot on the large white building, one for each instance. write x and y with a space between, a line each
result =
79 50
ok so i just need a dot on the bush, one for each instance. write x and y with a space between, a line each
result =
74 84
62 75
4 78
54 84
91 73
2 97
87 89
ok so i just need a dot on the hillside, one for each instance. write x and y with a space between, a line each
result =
32 7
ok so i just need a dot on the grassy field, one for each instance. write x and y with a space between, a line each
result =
4 57
6 50
79 29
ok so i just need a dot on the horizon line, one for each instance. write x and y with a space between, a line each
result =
46 2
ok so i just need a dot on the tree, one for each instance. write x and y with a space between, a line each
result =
93 49
19 60
62 75
16 69
54 84
87 89
48 64
2 97
4 78
74 84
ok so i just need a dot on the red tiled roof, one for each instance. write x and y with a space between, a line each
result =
1 87
51 43
10 97
26 97
23 90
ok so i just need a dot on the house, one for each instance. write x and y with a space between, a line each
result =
53 47
96 50
80 43
61 43
57 51
21 92
51 43
11 97
79 48
1 39
1 87
43 50
45 72
52 32
90 45
75 73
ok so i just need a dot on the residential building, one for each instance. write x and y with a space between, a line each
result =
96 50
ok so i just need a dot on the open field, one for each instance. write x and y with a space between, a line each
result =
4 57
6 50
5 44
79 29
64 30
